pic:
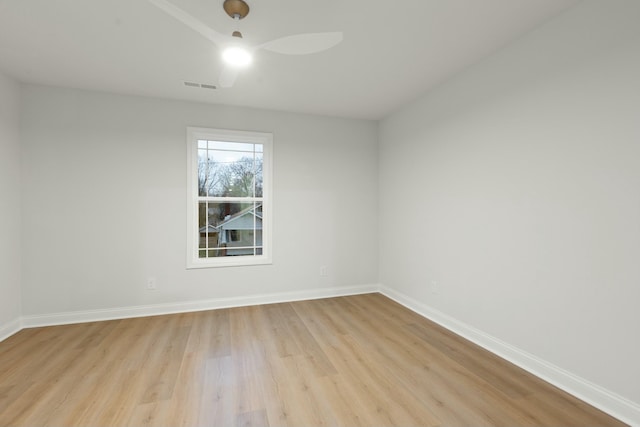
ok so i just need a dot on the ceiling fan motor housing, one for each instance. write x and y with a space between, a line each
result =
236 8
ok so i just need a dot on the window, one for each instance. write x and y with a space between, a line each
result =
229 198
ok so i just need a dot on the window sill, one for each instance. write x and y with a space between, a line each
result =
228 262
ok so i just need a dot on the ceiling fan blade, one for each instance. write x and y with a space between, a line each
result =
190 21
228 76
303 44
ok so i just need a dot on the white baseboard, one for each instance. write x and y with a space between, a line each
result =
8 329
599 397
189 306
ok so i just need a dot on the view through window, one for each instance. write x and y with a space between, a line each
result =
228 175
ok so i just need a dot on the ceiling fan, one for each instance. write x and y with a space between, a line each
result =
236 54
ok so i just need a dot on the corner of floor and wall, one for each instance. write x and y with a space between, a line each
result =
510 204
503 205
10 200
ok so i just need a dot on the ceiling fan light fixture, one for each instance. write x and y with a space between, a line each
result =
237 56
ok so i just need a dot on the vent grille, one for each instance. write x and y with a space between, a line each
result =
200 85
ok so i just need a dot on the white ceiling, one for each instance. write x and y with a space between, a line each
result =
393 51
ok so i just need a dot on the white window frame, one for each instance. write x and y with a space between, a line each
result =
193 235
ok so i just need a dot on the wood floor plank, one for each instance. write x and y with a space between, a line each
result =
218 399
211 331
253 419
11 393
246 363
294 401
278 332
377 388
118 374
417 369
487 367
96 333
167 361
448 380
305 341
351 361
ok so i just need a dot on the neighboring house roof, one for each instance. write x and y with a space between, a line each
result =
237 221
208 229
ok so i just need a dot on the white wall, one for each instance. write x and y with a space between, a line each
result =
104 186
516 188
9 206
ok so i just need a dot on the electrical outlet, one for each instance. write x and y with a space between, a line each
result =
323 271
152 285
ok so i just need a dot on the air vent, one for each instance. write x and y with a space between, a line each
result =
200 85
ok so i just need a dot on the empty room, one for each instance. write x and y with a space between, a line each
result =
319 213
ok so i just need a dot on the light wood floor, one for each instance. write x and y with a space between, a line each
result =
352 361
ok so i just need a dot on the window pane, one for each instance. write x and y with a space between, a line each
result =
208 234
202 172
230 229
224 173
241 175
213 174
258 174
